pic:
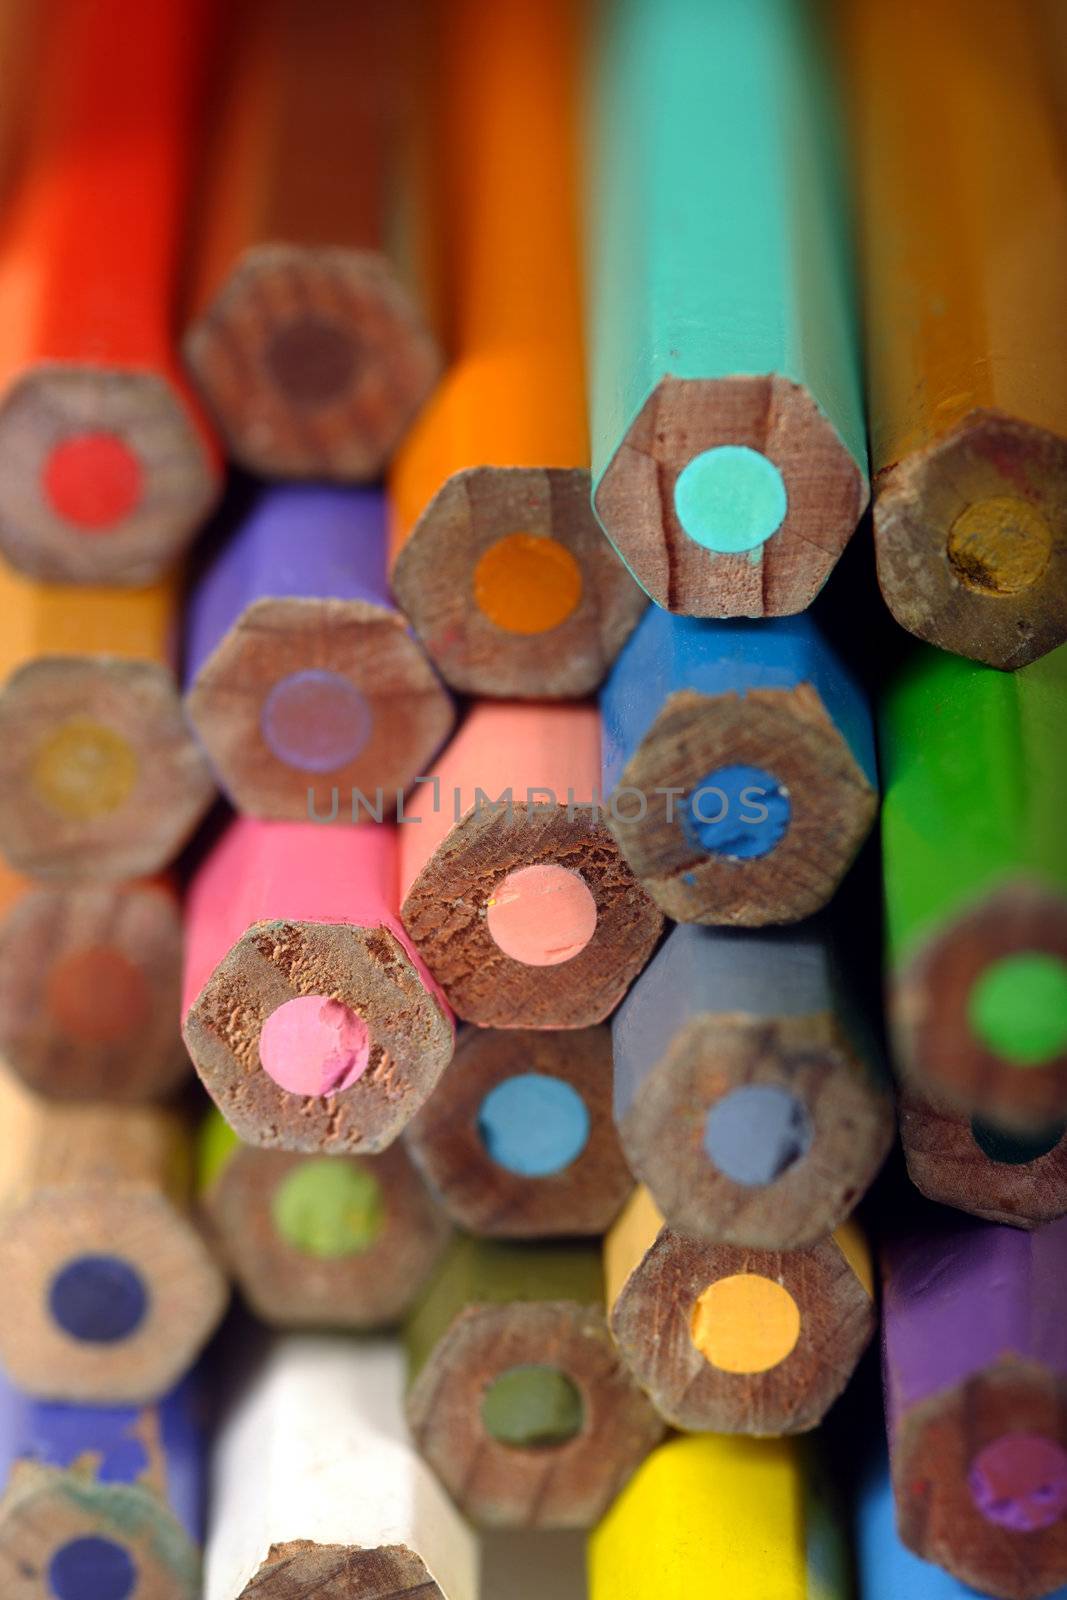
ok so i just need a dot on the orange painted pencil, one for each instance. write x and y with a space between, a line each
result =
962 189
106 469
304 336
499 560
100 777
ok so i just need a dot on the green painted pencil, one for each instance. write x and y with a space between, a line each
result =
729 455
975 768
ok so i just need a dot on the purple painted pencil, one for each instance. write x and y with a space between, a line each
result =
975 1371
302 676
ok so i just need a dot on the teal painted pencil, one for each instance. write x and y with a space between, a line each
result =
729 457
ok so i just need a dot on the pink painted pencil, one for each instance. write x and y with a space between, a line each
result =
307 1011
514 890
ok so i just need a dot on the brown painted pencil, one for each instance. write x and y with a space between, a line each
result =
303 337
90 989
109 1288
518 1137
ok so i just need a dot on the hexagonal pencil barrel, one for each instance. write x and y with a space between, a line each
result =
303 677
739 766
309 1014
100 778
110 1289
723 1516
1018 1178
518 1138
728 1339
513 889
90 981
748 1090
318 1489
975 1379
517 1396
319 1241
106 467
729 452
102 1501
305 335
499 562
967 393
975 862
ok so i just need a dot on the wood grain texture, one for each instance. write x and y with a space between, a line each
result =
305 334
279 910
654 1280
448 1144
962 240
688 701
89 989
85 1182
974 1354
490 1309
718 279
106 464
717 1012
314 1281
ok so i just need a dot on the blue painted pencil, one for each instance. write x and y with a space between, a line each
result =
739 767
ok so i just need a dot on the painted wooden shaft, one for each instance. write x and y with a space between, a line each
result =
319 1241
975 860
729 455
101 1502
302 675
89 989
518 1399
749 1096
499 559
110 1288
538 1565
1016 1178
740 759
106 469
518 1138
727 1339
317 1489
524 911
975 1379
309 1014
304 337
721 1516
967 393
100 777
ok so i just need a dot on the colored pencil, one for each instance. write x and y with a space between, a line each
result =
728 1339
304 334
89 989
725 1517
101 1503
318 1490
967 392
532 1566
499 560
106 469
740 759
302 674
100 777
975 1377
109 1288
517 1397
1015 1178
524 910
319 1241
975 858
308 1013
729 454
748 1094
518 1137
